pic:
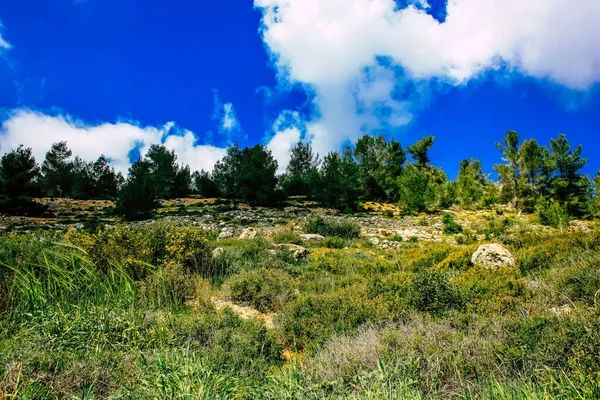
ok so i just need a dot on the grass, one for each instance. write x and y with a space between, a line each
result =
127 313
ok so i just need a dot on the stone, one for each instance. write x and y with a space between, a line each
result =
225 234
218 252
309 237
374 241
297 251
493 256
382 232
248 233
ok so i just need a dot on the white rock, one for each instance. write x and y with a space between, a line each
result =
217 252
374 241
225 234
493 256
297 251
309 237
248 233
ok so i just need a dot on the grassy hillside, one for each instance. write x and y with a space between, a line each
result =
384 306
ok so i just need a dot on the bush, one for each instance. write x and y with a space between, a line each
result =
432 292
552 213
329 227
450 226
334 242
265 289
287 237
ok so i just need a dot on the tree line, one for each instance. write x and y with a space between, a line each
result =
531 177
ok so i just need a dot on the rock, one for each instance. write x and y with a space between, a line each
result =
294 249
248 233
480 238
382 232
309 237
562 311
374 241
493 256
225 234
217 252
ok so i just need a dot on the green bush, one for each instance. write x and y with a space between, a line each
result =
329 227
335 242
265 289
450 226
552 213
432 292
287 237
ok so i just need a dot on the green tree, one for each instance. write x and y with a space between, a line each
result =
163 169
420 151
395 157
370 152
257 180
182 186
95 180
18 182
57 178
471 183
510 172
416 193
597 194
298 174
204 184
225 172
568 186
139 195
339 181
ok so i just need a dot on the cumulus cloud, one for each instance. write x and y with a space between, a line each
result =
288 130
115 140
373 65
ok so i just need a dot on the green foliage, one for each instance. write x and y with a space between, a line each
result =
420 151
344 229
204 184
338 184
248 175
95 180
432 292
287 237
18 174
139 195
553 213
335 242
266 290
450 225
57 179
300 170
471 183
415 191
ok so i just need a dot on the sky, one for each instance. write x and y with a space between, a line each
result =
114 77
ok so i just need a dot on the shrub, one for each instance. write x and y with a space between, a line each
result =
334 242
329 227
450 226
265 289
552 213
287 237
432 292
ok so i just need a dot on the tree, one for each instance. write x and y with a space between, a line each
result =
471 183
95 180
303 162
597 194
339 181
18 182
257 180
225 172
163 169
139 196
510 172
182 185
395 158
371 156
57 178
568 186
420 151
204 184
416 193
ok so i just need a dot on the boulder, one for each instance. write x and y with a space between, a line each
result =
309 237
493 256
248 233
374 241
294 249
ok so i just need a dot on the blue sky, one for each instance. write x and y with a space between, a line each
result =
114 76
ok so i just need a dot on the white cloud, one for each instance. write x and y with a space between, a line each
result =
288 130
334 47
229 121
4 45
39 131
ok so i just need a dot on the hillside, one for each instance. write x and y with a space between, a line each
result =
214 299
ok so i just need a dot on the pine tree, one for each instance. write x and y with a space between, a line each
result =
139 195
163 168
296 181
257 180
225 172
57 178
18 182
339 181
204 184
471 183
420 151
510 172
416 193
